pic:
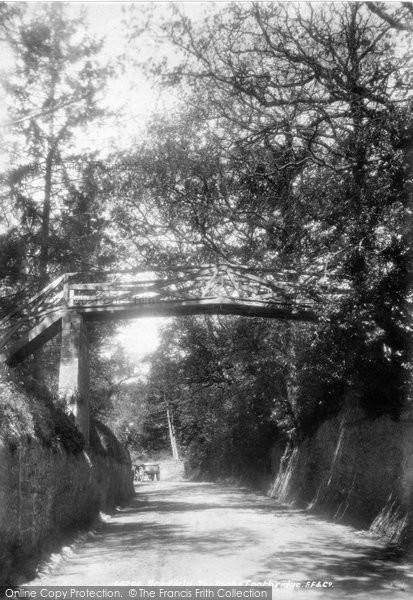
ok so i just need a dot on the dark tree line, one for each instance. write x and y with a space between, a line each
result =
293 149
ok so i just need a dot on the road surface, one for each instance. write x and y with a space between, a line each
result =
182 533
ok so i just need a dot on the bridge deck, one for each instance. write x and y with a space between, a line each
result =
204 306
51 325
206 290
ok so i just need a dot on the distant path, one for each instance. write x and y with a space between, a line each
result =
184 533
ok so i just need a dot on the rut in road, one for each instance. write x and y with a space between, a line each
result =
203 533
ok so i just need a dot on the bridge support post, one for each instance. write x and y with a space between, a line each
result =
74 370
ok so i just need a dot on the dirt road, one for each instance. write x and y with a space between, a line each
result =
199 533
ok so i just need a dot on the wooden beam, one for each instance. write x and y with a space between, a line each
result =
222 305
34 339
33 299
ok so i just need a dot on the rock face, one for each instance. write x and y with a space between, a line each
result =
355 469
49 490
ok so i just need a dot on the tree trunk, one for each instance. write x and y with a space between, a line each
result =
44 240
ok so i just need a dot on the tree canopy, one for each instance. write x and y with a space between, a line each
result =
289 147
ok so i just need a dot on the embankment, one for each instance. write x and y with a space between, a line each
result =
49 483
355 470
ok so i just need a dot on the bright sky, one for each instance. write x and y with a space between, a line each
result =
134 98
139 337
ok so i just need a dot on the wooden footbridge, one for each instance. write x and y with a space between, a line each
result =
73 299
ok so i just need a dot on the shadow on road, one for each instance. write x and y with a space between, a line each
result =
202 530
355 561
372 570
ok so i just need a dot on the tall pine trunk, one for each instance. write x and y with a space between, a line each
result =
45 234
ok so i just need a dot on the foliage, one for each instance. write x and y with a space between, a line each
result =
291 149
52 94
225 381
54 199
29 413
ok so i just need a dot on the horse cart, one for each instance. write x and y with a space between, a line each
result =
147 471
